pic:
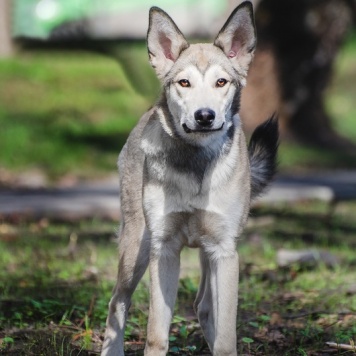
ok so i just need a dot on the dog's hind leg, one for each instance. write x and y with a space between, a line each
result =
134 247
164 275
217 305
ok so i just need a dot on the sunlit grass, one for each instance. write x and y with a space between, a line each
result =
64 112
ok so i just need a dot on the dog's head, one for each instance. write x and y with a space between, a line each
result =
202 82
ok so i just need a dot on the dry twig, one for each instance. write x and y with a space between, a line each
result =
334 345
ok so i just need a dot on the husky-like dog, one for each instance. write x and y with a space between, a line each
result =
187 179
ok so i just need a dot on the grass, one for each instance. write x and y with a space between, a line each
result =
56 281
64 112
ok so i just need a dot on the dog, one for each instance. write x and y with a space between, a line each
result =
187 179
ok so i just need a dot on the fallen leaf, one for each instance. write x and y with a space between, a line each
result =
276 319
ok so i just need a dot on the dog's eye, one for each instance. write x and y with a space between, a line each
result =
184 83
221 82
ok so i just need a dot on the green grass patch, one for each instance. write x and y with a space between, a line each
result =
56 281
64 112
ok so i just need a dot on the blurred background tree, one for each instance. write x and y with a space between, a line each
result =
298 42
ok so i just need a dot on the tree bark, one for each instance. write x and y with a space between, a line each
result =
6 42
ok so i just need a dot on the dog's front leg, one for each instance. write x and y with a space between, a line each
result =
134 247
164 274
217 302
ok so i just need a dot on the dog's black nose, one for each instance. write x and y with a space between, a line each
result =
204 117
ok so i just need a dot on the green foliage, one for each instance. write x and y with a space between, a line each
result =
247 340
5 341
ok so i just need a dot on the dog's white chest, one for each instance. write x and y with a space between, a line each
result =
168 206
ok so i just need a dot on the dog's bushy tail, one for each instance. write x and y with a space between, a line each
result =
262 151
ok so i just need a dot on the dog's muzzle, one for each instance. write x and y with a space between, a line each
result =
204 122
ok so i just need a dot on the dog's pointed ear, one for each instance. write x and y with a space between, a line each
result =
165 42
237 38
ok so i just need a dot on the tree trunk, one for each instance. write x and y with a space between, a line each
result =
6 43
303 38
